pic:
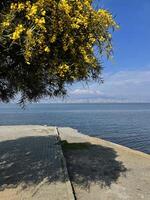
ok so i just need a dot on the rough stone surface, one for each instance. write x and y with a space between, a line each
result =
31 164
101 170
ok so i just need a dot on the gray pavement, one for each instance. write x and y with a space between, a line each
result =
101 170
32 165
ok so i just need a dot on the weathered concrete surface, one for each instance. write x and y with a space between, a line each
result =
32 165
101 170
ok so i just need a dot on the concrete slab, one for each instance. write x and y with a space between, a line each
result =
101 170
32 164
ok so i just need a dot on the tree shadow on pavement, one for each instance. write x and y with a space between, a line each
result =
89 163
29 161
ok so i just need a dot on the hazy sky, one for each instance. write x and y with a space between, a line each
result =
127 77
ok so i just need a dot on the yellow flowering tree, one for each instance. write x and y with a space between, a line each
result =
46 44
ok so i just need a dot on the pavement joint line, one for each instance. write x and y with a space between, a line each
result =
70 189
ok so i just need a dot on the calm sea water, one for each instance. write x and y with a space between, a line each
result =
126 124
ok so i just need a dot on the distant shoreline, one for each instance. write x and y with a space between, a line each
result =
15 103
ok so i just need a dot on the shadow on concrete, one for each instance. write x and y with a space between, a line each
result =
88 164
29 161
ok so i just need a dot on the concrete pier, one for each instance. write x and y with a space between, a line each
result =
49 163
101 170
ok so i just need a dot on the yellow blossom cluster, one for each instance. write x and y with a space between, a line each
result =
63 69
5 24
64 6
16 34
61 34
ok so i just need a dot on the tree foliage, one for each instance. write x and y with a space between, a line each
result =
46 44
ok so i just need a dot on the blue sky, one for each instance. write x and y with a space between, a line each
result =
132 41
127 76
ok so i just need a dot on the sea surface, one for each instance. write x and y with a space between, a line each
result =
126 124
